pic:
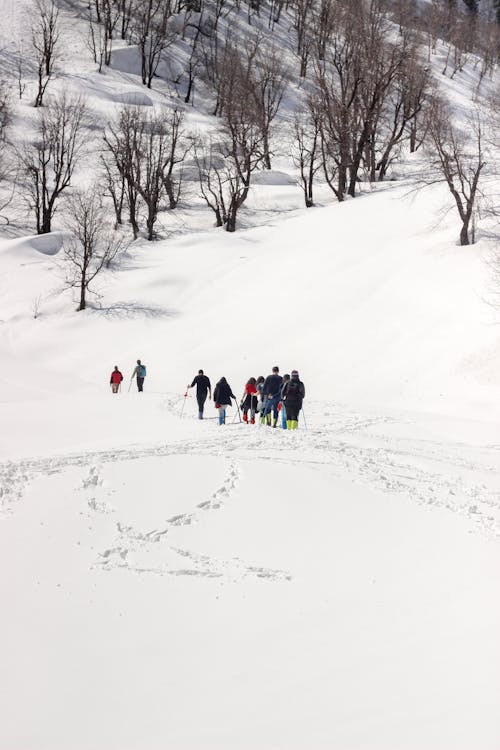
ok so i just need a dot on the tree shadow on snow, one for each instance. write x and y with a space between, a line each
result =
129 310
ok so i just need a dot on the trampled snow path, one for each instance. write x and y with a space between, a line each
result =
463 478
175 591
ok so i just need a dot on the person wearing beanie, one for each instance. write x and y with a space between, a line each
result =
293 394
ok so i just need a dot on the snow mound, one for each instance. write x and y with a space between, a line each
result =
272 177
136 98
47 244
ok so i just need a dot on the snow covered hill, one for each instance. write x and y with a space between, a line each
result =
170 583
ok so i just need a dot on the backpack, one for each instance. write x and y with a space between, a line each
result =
142 371
293 390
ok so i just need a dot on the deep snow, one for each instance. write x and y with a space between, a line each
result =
169 583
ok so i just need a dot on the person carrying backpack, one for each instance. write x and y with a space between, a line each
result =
140 374
115 379
286 378
222 397
294 393
249 400
272 393
203 387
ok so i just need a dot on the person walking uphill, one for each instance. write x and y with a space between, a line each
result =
115 379
249 400
272 394
140 374
222 397
203 387
294 393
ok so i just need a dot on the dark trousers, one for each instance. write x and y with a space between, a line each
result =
140 383
201 398
292 411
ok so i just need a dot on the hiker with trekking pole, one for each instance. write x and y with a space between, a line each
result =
139 373
115 380
293 394
203 387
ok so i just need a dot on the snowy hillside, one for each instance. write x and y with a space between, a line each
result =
171 583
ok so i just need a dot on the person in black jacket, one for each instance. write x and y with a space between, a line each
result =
272 395
222 397
293 394
203 387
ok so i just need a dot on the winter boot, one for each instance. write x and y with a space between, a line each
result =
268 420
275 422
289 424
252 421
295 424
200 415
245 418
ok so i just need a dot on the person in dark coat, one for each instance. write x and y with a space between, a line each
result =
222 397
203 388
293 394
286 378
272 394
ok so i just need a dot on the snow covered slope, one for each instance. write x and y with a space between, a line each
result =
167 583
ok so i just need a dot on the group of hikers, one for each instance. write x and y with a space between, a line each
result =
269 397
139 373
266 396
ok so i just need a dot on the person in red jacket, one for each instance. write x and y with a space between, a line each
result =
115 379
249 400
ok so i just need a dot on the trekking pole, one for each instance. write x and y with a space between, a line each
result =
130 384
304 418
183 404
238 407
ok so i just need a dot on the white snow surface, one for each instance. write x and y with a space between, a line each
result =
168 583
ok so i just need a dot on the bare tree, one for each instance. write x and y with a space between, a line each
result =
144 152
102 27
242 146
151 31
397 120
45 43
338 79
459 160
214 178
152 165
92 247
121 141
306 149
48 162
268 79
115 185
7 167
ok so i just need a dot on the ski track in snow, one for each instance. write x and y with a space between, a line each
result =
461 478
